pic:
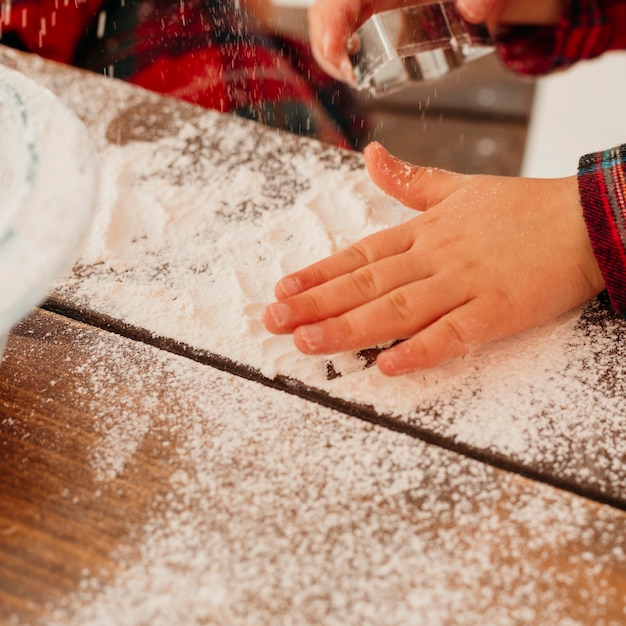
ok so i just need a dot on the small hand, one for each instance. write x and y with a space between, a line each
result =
488 257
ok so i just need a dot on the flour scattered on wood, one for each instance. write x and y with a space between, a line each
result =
273 510
200 215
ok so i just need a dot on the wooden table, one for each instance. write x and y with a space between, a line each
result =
153 477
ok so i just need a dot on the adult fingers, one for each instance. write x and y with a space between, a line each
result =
475 11
332 24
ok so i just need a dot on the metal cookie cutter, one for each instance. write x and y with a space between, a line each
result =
414 44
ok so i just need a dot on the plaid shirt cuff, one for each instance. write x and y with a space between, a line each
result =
586 29
602 188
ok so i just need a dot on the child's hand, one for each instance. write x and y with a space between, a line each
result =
332 23
489 257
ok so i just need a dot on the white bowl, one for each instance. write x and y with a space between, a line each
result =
48 180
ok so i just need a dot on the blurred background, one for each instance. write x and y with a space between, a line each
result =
483 119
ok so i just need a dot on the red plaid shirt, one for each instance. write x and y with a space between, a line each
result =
587 29
209 52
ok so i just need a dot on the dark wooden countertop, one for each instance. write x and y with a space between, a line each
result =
152 477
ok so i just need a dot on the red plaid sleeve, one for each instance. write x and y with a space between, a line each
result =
602 188
209 52
51 28
587 29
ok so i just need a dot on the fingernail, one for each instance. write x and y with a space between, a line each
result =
347 71
287 287
311 336
353 44
374 146
279 313
475 10
392 362
326 44
387 363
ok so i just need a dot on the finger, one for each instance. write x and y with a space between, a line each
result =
398 314
475 11
529 13
331 24
343 294
455 334
373 248
418 188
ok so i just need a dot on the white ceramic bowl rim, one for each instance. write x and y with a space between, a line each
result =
48 181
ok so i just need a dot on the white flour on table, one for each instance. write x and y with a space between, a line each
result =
201 214
270 510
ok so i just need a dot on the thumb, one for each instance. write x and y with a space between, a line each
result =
475 11
418 188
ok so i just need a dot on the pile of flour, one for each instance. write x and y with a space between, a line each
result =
201 214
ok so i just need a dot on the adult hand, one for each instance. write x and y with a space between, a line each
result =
488 257
333 23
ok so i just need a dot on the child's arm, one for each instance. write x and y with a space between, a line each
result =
489 257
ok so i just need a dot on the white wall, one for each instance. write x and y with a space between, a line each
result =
580 110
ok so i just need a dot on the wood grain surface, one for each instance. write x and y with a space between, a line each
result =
143 485
111 458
